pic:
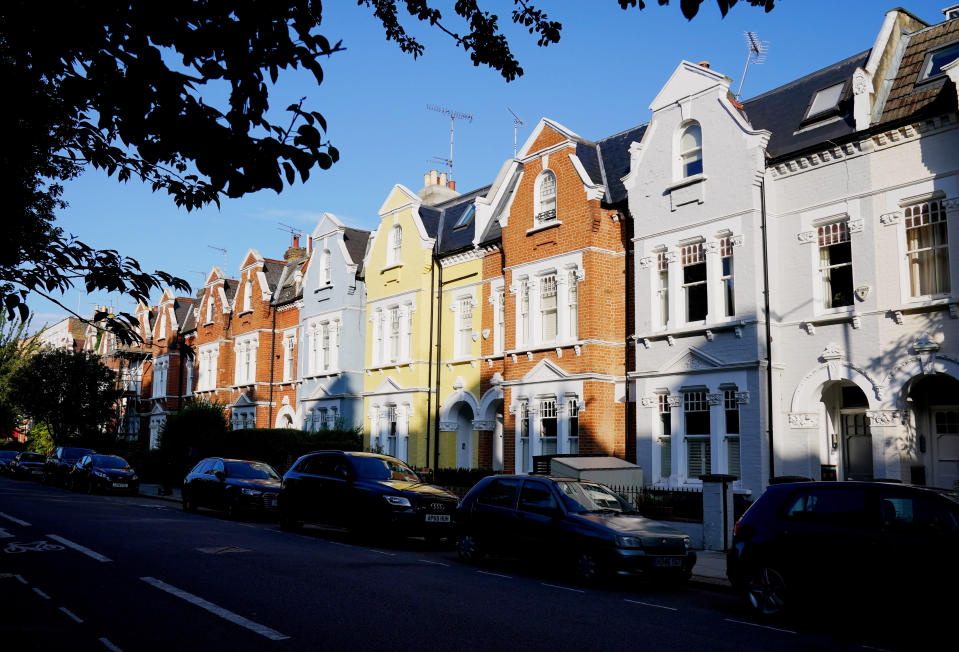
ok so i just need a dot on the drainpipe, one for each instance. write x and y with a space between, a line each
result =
439 358
769 337
272 360
429 367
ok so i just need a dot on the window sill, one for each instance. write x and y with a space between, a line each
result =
389 267
543 227
550 346
700 328
927 304
244 312
688 181
325 286
324 374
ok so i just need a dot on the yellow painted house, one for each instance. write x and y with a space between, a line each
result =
423 248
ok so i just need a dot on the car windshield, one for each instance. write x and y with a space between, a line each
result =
7 455
382 468
75 453
251 471
110 462
588 497
32 457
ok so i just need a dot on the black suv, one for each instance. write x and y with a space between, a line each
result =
234 486
590 528
60 463
864 539
365 492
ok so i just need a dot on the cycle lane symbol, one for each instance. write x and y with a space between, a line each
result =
35 546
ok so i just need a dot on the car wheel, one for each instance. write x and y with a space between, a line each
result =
469 549
766 592
587 566
189 504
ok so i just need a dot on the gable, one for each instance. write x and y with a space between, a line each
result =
387 386
545 371
687 80
252 257
548 138
692 360
548 133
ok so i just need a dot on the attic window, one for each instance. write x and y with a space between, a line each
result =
825 102
935 60
466 218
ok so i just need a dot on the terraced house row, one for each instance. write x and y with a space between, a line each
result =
758 288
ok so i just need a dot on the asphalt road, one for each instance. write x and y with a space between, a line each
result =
82 572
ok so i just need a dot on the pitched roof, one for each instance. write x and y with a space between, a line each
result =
614 158
451 238
356 242
781 111
287 292
909 96
183 310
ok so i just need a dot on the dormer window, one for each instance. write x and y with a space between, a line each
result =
825 102
546 197
395 254
326 271
466 218
935 60
691 150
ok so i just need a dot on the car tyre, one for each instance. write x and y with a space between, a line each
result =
588 566
766 591
469 549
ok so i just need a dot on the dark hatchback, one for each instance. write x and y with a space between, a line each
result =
366 492
103 473
800 542
6 458
27 466
584 524
60 463
235 486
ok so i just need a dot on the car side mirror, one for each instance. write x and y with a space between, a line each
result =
220 475
342 473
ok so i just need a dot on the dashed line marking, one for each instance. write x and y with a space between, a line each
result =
14 520
22 579
41 593
650 604
382 552
435 563
110 646
870 647
79 548
225 614
775 629
563 588
494 574
71 615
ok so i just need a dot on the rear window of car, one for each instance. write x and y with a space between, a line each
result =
835 506
31 457
917 512
251 471
110 462
499 493
76 452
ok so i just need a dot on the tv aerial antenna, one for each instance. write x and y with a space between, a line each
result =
453 116
517 122
222 251
755 53
295 232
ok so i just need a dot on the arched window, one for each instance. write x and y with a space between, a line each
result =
326 271
396 245
248 295
691 150
209 307
546 197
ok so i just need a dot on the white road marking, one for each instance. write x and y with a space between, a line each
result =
14 520
71 614
110 646
21 578
494 574
869 647
435 563
564 588
78 548
41 593
775 629
4 534
236 619
650 604
382 552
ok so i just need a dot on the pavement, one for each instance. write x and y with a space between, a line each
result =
710 569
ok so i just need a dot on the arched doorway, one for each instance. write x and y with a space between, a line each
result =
847 429
934 402
464 435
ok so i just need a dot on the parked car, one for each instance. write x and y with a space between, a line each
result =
234 486
366 492
6 457
60 463
584 524
27 466
93 473
872 539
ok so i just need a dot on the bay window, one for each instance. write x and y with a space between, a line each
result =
927 249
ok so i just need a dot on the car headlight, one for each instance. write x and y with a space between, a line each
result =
686 543
101 474
246 491
134 477
398 501
629 542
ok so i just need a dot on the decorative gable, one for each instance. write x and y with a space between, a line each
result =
544 372
547 134
692 360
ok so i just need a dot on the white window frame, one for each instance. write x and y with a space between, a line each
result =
499 319
289 355
727 275
696 401
547 194
247 296
664 425
690 155
395 249
243 418
209 307
326 268
927 215
548 310
828 236
207 367
244 351
694 255
161 369
661 289
463 346
732 438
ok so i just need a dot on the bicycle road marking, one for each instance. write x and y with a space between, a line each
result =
35 546
79 548
14 520
4 534
236 619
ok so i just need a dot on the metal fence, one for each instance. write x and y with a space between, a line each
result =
675 503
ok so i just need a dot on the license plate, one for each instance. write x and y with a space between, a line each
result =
120 485
667 562
437 518
35 472
270 501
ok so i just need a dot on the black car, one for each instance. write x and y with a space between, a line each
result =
872 539
93 473
27 466
584 524
366 492
234 486
60 463
6 457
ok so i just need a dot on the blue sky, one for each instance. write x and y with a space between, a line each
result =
598 80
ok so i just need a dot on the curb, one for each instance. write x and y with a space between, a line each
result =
721 585
169 499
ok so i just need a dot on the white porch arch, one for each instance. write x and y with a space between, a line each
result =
900 379
806 398
488 403
458 396
286 418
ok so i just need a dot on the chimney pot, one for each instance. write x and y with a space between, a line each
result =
433 180
296 241
704 64
442 180
451 185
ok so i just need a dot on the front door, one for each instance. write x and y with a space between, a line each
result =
464 437
857 446
945 440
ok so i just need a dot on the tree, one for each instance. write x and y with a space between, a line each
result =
124 87
70 392
16 347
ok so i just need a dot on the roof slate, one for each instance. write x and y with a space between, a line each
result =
908 98
356 242
615 161
452 239
288 290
